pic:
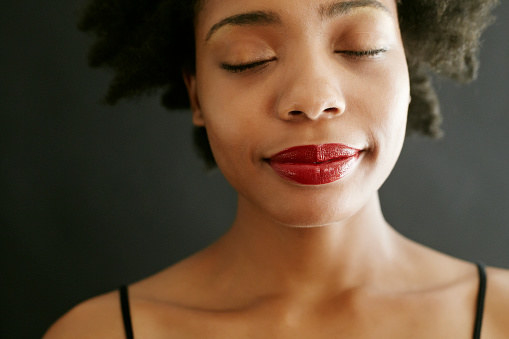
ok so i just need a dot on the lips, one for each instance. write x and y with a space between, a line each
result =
314 164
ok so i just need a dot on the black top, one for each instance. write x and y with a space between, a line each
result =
126 314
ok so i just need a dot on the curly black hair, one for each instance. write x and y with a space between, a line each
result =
148 43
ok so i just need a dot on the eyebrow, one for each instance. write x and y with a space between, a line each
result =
244 19
268 18
346 7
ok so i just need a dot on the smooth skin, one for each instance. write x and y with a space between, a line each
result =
302 261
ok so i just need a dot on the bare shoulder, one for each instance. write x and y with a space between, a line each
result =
99 317
497 303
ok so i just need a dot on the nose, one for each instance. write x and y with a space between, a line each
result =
311 91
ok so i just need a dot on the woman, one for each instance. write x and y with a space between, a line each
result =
304 104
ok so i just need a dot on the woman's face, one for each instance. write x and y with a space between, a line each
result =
330 76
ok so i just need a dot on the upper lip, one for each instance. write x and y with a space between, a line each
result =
314 154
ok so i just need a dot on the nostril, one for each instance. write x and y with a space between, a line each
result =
296 114
333 110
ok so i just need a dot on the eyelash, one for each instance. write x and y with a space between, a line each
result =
363 54
238 68
244 67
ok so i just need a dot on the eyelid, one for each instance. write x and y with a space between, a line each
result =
241 67
237 68
367 53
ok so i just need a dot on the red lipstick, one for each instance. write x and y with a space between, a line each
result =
314 164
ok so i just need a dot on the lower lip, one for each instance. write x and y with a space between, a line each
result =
316 173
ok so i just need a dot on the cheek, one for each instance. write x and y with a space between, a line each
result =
387 115
397 100
385 100
225 137
232 128
232 114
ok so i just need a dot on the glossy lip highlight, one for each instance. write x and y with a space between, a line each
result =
314 164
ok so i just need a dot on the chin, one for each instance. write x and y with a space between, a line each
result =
313 213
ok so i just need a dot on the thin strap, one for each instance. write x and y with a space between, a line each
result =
480 300
126 314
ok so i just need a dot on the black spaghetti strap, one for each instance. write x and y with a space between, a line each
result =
126 314
481 294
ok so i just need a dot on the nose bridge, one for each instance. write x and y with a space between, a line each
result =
311 88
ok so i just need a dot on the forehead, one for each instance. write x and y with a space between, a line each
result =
214 12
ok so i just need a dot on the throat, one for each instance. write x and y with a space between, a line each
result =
342 255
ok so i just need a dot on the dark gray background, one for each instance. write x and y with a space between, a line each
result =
93 196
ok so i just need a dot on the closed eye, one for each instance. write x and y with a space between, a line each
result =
371 53
237 68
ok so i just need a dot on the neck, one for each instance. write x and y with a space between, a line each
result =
345 254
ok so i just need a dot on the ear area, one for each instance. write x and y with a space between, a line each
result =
190 81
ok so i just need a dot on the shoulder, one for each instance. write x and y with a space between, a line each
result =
99 317
497 303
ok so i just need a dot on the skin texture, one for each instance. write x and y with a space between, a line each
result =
302 261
